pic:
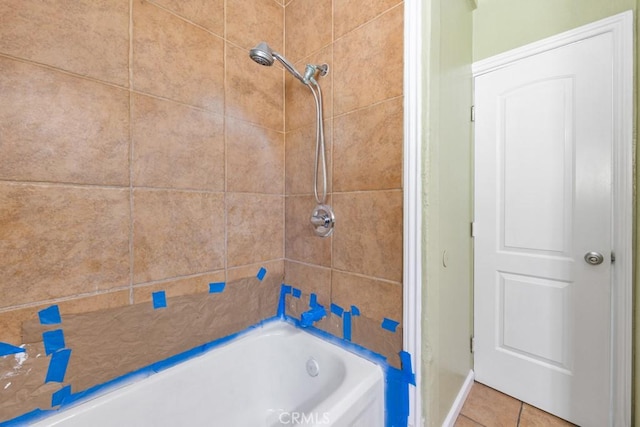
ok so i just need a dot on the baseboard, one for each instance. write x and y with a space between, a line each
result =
460 398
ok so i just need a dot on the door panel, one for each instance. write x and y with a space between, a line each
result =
543 199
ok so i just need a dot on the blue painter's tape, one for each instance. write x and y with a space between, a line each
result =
6 349
355 311
396 398
53 341
50 316
59 396
346 326
297 293
389 325
336 309
159 299
282 302
313 300
216 288
261 273
26 419
407 370
58 366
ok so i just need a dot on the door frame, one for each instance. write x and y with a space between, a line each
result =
621 29
412 194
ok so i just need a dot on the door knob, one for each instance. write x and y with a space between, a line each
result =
593 258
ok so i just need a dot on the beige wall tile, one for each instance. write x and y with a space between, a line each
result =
255 158
11 321
275 270
175 59
368 234
309 279
367 148
61 241
207 13
376 299
308 27
349 14
301 242
178 287
253 92
89 37
176 146
300 106
368 63
300 156
369 334
176 233
255 228
252 21
56 127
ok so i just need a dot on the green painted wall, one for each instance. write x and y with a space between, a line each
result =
501 25
447 293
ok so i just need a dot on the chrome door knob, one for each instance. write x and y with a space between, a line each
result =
593 258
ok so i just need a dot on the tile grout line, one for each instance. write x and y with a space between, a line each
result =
131 106
520 413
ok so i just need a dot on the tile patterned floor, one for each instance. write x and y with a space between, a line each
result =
486 407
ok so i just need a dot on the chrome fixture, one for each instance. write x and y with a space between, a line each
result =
322 217
311 316
593 258
323 220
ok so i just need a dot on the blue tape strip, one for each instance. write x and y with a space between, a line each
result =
346 326
7 349
216 288
53 341
58 366
60 396
355 311
336 309
313 300
396 398
297 293
407 370
282 302
50 315
389 325
261 273
159 299
26 419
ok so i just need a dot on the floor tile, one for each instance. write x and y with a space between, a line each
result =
491 408
534 417
463 421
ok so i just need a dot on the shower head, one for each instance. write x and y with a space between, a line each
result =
263 55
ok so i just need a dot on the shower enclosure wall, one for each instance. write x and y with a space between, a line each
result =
145 157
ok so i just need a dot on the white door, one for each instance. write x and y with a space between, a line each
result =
543 199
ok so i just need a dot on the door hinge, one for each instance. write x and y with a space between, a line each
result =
473 113
472 344
472 230
613 257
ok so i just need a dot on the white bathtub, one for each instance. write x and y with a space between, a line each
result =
258 379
